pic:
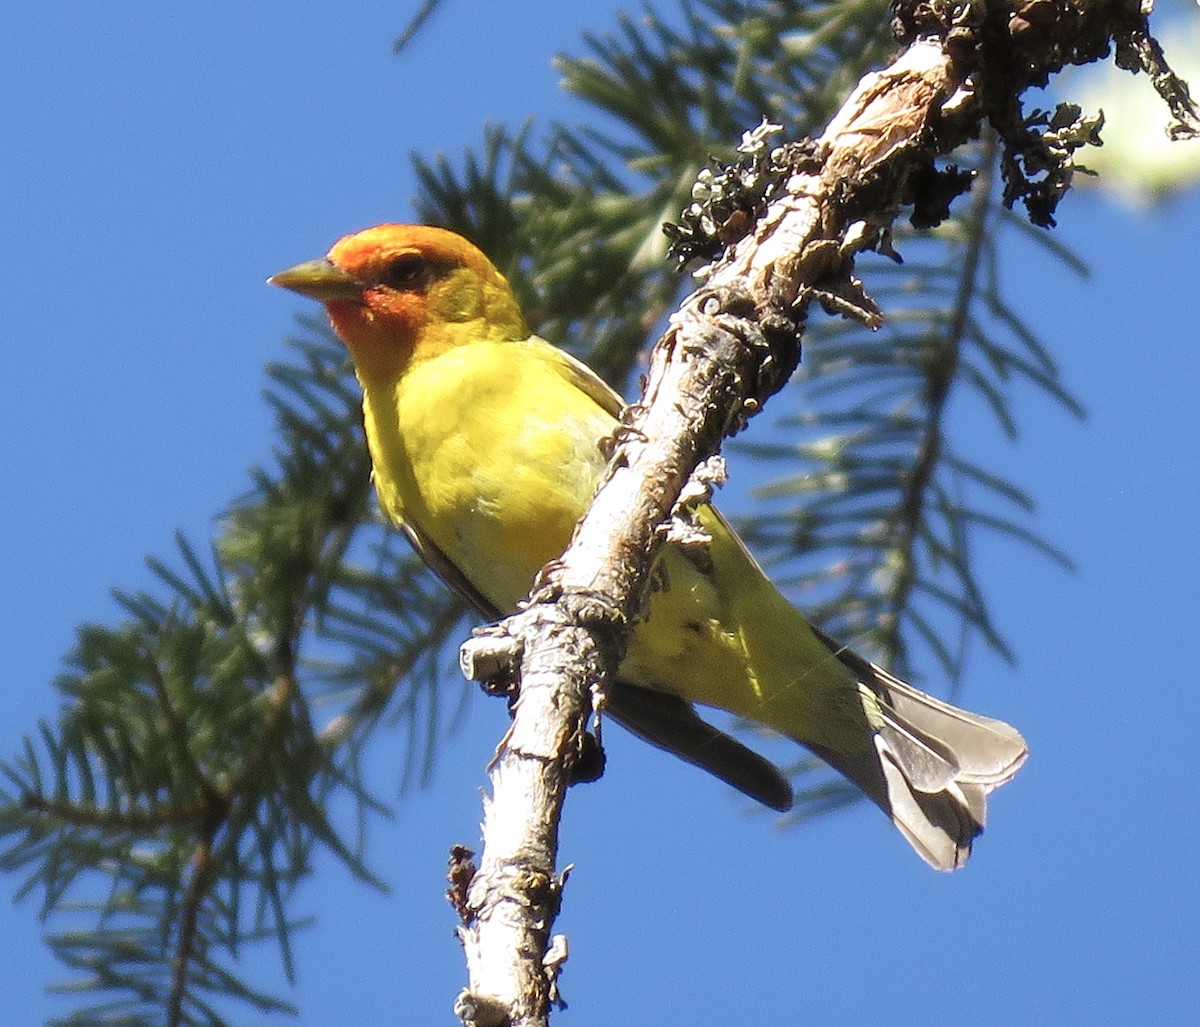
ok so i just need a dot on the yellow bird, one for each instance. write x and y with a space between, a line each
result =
485 446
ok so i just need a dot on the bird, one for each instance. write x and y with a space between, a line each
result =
486 447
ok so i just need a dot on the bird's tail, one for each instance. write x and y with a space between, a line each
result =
931 765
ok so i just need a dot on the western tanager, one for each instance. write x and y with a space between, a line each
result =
485 445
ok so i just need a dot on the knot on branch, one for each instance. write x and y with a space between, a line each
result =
592 610
756 347
553 604
474 1010
521 882
460 874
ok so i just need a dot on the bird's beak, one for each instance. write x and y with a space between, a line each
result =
320 280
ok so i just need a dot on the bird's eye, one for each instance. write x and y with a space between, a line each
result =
409 271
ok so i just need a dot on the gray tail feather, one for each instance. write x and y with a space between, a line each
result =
931 765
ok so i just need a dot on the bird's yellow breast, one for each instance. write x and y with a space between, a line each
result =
491 455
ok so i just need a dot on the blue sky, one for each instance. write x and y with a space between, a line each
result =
161 161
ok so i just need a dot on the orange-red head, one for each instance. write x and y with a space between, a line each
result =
396 293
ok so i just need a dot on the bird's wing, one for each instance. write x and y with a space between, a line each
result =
446 569
665 721
672 724
588 382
